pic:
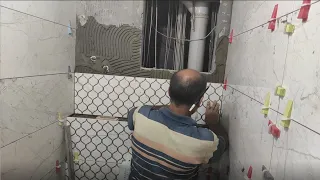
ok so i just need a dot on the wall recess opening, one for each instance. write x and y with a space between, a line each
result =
179 34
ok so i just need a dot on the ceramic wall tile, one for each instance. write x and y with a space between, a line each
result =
96 170
58 11
34 156
32 46
258 60
257 57
115 95
257 70
28 104
250 141
302 71
296 154
52 175
298 4
103 143
249 14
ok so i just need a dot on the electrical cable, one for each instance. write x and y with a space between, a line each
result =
189 40
150 31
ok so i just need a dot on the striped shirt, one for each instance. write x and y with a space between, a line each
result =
169 146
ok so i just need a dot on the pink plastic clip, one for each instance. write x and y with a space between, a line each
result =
272 22
225 84
58 166
231 36
273 129
304 10
249 174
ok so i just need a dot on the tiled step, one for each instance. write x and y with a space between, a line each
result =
103 144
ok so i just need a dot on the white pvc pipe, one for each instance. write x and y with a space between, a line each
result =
188 5
196 48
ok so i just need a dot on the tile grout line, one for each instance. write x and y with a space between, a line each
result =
274 110
45 159
28 134
273 138
36 17
41 75
285 61
74 92
51 170
279 99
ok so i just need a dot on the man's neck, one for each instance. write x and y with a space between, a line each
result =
181 110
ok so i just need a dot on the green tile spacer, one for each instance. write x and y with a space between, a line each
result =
266 105
280 91
289 28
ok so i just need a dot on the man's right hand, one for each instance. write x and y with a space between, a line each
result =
212 113
212 120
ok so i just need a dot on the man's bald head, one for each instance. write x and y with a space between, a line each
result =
186 87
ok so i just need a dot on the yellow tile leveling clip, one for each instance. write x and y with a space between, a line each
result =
60 119
76 157
266 106
285 122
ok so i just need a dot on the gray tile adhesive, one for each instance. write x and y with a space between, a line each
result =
115 47
116 51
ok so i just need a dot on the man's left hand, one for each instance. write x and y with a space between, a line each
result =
212 113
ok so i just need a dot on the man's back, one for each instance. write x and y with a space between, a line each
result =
166 145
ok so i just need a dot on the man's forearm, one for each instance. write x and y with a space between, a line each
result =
219 131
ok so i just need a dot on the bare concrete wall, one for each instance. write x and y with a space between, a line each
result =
222 40
113 12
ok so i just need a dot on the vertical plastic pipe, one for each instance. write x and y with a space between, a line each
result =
196 48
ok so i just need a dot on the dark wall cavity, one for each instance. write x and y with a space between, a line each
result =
117 51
